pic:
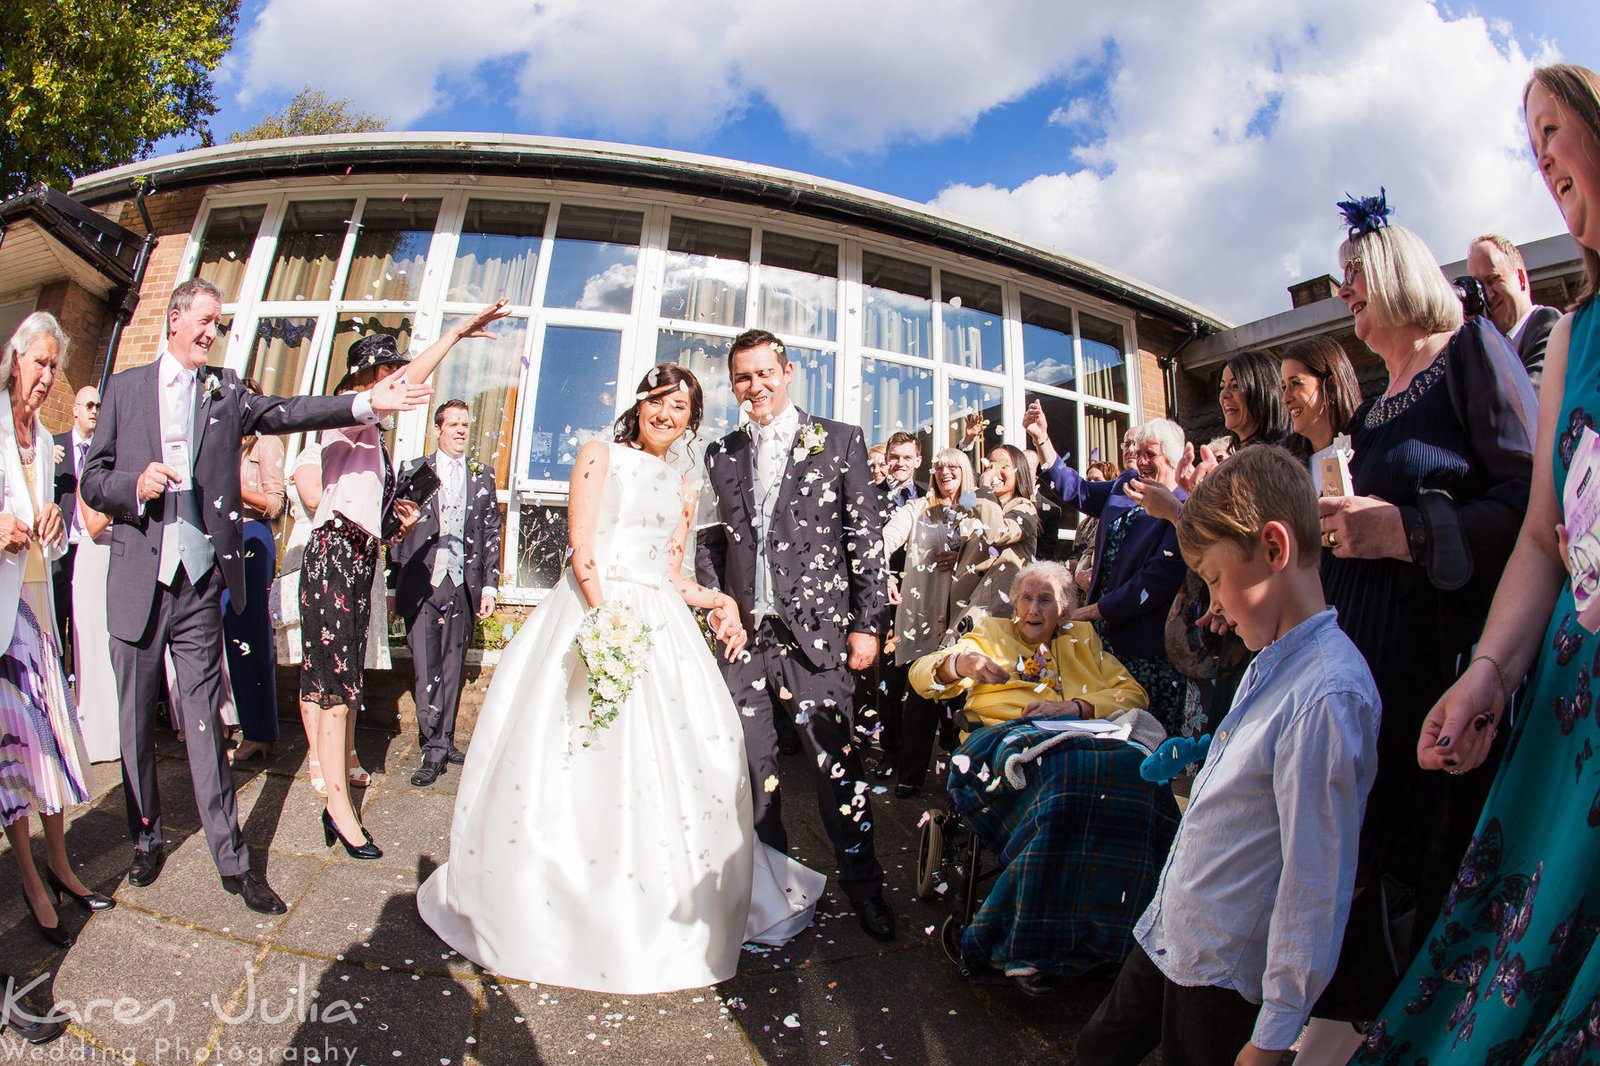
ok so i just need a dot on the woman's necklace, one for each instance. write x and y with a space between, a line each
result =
24 451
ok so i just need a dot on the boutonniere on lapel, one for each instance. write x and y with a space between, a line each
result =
209 386
474 467
813 435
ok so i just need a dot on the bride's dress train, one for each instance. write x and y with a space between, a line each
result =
631 865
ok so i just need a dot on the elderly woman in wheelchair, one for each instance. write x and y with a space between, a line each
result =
1047 781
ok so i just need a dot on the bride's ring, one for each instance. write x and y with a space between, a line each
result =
1329 539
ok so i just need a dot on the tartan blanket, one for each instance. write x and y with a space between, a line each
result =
1081 844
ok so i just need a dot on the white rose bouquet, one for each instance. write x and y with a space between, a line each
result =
614 644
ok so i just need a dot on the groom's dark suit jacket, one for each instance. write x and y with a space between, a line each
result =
825 544
128 439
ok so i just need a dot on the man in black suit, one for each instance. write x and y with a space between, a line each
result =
446 571
903 458
1497 263
164 465
799 544
72 447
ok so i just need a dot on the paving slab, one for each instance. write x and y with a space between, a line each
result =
352 975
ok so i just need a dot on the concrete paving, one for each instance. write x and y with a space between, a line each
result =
180 972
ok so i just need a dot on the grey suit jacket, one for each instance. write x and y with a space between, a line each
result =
1535 337
825 543
412 561
128 439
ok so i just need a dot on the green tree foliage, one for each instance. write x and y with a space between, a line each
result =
91 84
312 112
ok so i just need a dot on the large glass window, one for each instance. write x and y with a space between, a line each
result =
1104 364
1047 343
542 549
279 354
595 262
225 248
1104 431
309 242
1062 416
898 304
708 272
349 328
391 250
895 399
498 252
811 389
799 286
484 372
974 322
576 399
706 357
985 401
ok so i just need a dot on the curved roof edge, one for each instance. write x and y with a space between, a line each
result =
566 159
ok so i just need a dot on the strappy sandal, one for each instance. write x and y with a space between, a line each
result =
358 775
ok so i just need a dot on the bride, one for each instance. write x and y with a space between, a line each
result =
619 858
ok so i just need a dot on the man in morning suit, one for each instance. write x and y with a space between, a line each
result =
72 447
164 465
446 571
799 544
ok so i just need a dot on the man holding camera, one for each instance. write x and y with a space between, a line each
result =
1497 265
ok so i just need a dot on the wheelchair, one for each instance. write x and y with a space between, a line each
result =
949 853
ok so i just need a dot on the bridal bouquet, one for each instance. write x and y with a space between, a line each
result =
613 644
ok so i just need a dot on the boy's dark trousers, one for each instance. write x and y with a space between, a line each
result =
1203 1026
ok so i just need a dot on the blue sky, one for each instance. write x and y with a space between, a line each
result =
1196 150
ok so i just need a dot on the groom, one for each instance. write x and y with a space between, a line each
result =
799 545
164 464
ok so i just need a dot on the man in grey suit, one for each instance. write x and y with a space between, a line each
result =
1497 263
164 465
445 575
799 544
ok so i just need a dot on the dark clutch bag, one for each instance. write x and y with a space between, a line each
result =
419 488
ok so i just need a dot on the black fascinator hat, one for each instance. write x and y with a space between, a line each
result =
369 353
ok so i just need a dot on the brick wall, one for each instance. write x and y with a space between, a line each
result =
172 215
87 321
1152 386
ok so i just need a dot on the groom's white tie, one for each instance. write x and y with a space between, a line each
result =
769 459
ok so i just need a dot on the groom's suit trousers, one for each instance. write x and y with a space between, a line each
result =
770 681
188 618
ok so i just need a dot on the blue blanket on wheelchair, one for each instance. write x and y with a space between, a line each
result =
1081 843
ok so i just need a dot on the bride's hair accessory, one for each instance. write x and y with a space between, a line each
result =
1364 214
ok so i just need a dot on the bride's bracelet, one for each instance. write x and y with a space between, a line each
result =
1499 673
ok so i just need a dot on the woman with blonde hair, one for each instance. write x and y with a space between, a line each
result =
945 540
41 746
1515 976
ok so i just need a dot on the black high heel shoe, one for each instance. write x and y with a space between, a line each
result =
89 901
330 833
57 934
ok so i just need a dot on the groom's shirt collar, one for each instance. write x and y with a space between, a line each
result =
786 422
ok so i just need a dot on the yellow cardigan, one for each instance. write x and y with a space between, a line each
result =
1087 672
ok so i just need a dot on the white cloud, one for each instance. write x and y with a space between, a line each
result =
1229 135
1215 137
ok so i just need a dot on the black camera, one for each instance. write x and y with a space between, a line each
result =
1474 298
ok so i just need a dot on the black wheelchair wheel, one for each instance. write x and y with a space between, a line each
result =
950 938
930 854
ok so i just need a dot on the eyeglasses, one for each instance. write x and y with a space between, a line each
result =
92 406
1352 270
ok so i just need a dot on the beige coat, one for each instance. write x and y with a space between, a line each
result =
933 601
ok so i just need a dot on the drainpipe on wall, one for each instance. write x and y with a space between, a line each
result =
130 295
1168 364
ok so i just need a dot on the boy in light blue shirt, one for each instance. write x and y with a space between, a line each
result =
1245 927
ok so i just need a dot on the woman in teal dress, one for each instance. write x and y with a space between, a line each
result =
1508 974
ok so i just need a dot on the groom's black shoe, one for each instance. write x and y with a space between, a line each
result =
876 918
455 755
257 895
147 866
429 772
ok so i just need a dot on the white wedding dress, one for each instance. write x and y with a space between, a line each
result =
630 866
